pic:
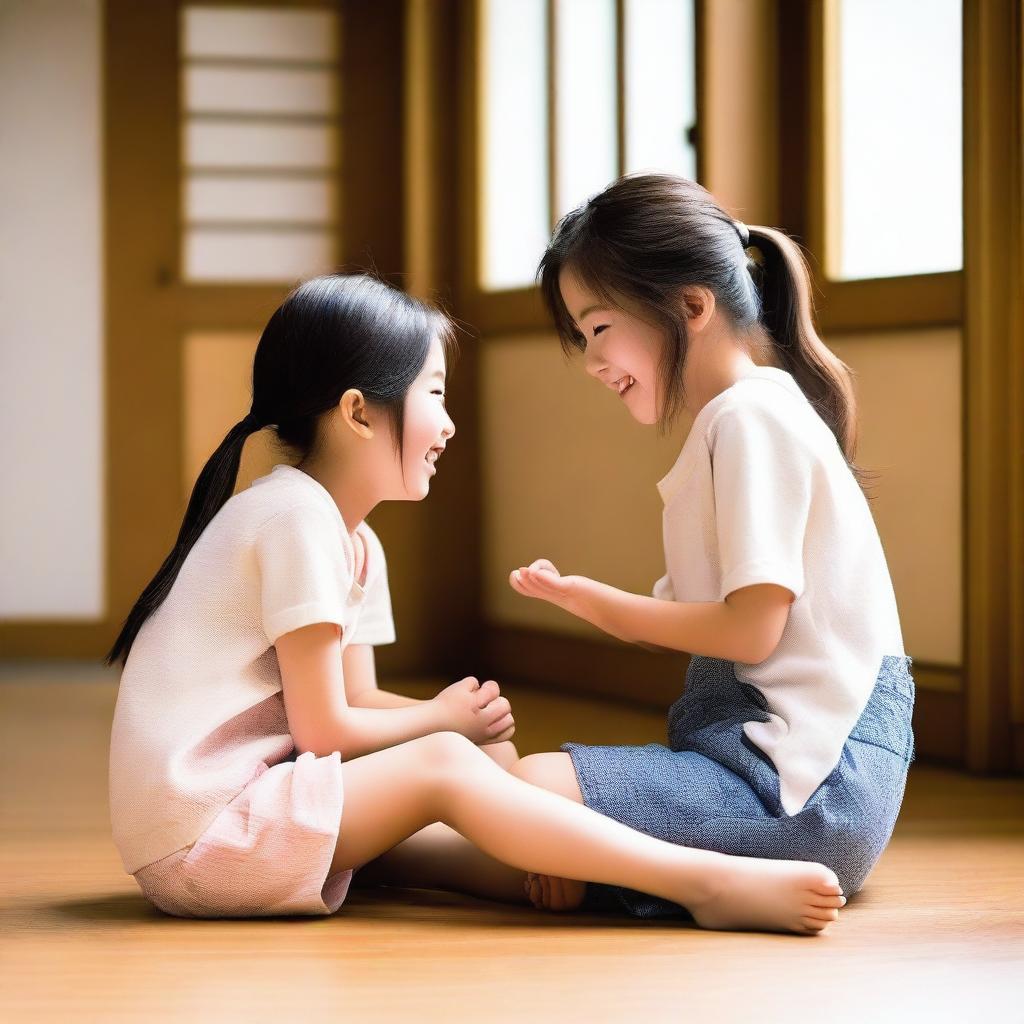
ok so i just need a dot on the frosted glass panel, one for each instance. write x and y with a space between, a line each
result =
261 143
260 90
263 33
213 254
660 85
899 164
515 221
228 198
239 144
586 116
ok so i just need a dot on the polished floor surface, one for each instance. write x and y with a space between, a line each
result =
937 934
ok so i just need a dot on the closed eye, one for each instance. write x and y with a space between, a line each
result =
599 329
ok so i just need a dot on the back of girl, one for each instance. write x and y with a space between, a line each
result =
792 738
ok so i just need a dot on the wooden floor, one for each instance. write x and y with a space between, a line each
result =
937 934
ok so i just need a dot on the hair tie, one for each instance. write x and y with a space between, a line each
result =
252 422
743 231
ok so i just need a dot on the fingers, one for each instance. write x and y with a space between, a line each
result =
498 709
469 683
536 582
543 563
506 735
487 693
497 729
518 583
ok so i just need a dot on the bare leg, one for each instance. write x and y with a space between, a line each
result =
437 857
393 793
556 773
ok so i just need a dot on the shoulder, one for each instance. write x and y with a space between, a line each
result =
374 548
760 410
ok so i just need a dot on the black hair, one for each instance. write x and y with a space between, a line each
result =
330 334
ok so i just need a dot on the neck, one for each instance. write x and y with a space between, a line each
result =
713 365
351 491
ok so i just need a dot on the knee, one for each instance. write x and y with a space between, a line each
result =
448 753
551 771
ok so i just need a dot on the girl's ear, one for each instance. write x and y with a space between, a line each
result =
698 306
353 411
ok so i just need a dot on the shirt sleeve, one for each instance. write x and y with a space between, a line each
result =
376 625
762 473
304 576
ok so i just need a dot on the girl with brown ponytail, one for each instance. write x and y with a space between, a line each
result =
792 737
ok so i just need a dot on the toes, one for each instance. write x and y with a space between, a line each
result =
828 902
533 891
545 885
813 925
823 914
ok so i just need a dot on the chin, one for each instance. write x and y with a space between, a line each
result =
647 417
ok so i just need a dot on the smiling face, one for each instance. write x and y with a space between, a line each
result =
428 427
623 352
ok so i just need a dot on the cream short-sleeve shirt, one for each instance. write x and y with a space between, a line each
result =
199 704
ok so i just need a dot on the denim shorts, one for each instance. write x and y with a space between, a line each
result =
712 788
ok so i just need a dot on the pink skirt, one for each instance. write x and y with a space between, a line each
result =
268 852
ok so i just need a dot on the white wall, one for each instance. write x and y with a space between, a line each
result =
51 311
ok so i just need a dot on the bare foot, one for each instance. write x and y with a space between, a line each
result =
767 895
547 892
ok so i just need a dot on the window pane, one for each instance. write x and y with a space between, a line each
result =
242 144
260 90
261 143
214 254
261 33
899 165
229 197
661 94
515 217
586 99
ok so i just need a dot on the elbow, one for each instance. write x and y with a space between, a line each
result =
759 646
319 741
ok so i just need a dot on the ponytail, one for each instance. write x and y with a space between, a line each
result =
787 313
215 485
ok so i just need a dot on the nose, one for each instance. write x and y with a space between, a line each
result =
449 430
593 363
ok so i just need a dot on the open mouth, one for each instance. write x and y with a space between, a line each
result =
623 384
432 456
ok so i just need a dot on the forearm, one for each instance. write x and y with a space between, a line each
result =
375 698
711 628
356 731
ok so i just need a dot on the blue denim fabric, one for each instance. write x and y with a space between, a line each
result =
712 788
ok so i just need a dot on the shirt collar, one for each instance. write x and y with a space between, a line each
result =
670 484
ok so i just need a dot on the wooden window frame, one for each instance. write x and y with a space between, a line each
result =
906 301
517 310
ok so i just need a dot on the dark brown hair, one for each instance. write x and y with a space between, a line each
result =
638 244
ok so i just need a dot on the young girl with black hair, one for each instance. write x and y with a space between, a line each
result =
248 668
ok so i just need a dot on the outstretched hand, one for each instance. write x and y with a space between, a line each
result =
542 580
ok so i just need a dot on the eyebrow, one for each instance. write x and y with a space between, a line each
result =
590 309
438 374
